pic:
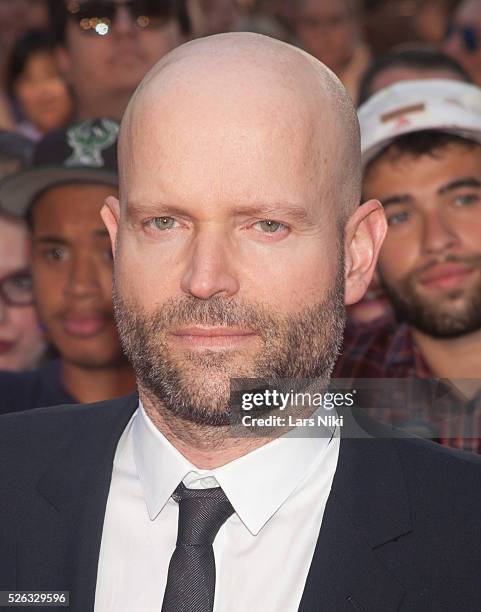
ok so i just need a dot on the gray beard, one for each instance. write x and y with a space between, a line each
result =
197 388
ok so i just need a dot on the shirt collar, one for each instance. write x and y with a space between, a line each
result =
256 484
402 351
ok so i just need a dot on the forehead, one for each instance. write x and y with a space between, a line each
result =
427 173
73 208
40 62
204 151
395 74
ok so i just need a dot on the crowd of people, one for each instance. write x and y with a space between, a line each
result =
413 68
199 197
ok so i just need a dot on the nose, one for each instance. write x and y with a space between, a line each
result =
209 272
439 235
123 22
82 281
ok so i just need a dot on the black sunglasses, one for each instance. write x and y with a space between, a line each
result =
470 36
98 15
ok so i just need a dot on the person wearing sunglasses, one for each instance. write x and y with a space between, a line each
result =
105 47
332 31
463 38
21 339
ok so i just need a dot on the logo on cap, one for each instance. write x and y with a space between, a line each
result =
88 140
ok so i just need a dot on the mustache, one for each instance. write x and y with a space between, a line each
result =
216 311
474 261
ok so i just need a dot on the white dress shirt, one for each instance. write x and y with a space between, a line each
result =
264 550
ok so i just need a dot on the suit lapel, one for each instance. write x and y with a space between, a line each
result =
74 493
367 508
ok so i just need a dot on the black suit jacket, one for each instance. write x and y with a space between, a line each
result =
401 530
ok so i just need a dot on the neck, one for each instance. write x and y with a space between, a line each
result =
451 357
206 447
112 106
96 385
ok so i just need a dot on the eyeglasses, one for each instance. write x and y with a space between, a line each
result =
16 289
470 36
98 15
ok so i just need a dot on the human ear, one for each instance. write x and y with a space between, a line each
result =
110 214
364 235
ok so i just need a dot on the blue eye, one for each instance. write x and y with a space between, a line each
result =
466 200
163 223
397 218
270 227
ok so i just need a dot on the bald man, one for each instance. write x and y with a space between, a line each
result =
237 238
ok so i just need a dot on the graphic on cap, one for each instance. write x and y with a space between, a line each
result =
402 112
441 105
88 141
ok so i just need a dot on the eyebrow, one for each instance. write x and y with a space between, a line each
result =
138 209
292 211
402 198
406 198
467 181
50 239
100 233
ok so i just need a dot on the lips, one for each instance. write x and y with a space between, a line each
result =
446 276
6 346
212 337
83 327
126 54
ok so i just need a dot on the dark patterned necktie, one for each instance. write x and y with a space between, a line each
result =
191 577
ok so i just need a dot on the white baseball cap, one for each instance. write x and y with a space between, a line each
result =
413 106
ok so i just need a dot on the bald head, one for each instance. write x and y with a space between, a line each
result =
239 161
213 96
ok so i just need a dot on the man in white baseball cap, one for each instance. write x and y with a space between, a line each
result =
421 148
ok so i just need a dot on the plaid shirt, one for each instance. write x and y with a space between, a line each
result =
427 405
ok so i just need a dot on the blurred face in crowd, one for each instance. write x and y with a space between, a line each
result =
229 258
17 16
430 262
464 38
395 74
328 29
43 94
431 19
217 15
72 271
21 341
113 63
